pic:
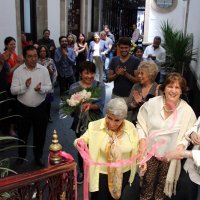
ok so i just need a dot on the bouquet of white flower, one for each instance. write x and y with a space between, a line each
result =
78 98
75 101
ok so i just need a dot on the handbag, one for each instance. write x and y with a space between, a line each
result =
83 120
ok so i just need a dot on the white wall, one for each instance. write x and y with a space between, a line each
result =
7 21
53 15
175 17
194 28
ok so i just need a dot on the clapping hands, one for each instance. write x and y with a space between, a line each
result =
28 82
137 96
152 57
38 87
64 52
120 70
20 60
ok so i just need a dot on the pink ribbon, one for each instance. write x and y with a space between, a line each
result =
67 157
84 152
153 150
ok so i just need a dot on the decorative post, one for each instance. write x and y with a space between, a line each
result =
55 148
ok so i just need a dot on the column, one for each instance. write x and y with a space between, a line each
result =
42 21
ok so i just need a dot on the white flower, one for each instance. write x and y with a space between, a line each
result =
78 97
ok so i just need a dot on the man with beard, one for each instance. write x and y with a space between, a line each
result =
108 33
122 70
49 43
64 60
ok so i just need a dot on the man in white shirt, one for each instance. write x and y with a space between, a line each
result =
156 53
31 83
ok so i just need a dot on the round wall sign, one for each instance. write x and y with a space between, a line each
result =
164 6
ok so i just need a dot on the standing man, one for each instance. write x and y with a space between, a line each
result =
31 83
64 60
136 34
112 37
156 53
49 43
109 44
122 70
108 33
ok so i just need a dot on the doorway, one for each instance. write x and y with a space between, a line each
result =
120 15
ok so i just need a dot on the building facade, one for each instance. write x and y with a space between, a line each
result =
63 16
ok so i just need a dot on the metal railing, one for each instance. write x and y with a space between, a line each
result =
55 182
51 183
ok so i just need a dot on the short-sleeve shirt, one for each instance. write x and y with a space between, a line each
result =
122 85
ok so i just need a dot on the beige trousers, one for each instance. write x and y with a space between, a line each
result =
99 68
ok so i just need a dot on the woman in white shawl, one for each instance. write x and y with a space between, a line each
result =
165 119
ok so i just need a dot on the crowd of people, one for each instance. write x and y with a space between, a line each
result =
146 112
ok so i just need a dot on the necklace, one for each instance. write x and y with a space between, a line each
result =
170 110
167 110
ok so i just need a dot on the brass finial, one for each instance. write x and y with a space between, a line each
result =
54 148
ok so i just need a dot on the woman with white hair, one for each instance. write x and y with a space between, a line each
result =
111 139
145 89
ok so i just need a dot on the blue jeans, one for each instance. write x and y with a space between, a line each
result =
106 67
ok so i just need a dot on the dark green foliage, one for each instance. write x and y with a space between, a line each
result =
179 49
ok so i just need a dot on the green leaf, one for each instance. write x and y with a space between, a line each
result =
10 116
5 195
8 170
66 110
179 48
9 138
14 147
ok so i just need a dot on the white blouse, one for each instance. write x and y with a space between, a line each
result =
151 120
96 49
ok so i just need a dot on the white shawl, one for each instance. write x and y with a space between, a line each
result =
189 119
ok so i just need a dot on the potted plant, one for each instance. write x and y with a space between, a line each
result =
7 143
179 49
